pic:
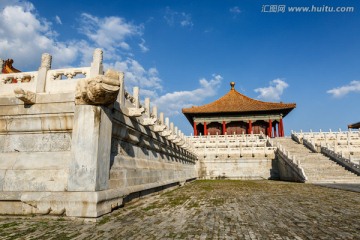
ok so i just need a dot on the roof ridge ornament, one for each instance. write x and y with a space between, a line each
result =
232 84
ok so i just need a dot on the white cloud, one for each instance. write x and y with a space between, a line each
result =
24 33
24 36
338 92
172 103
178 18
147 80
109 32
186 20
142 46
58 20
273 92
235 10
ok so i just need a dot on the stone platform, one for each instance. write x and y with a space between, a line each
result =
74 142
216 209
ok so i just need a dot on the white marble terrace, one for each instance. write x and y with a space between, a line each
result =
254 145
345 144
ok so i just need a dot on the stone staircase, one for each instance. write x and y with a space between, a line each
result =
317 167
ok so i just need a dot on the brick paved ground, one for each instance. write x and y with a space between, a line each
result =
213 210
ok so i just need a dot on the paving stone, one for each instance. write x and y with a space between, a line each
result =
218 209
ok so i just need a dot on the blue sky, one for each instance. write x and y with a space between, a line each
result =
184 53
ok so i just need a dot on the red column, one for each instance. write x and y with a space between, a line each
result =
205 129
270 128
195 129
223 128
250 127
281 128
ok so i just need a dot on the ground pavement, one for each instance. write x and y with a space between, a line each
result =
219 209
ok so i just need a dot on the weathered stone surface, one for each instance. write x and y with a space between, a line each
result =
35 180
213 167
37 171
91 143
36 142
213 210
77 204
2 178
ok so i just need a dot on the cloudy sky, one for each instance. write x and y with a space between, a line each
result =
184 53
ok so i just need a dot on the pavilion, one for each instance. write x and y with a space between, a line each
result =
235 113
354 125
7 67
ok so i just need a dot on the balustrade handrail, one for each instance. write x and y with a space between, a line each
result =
292 162
47 80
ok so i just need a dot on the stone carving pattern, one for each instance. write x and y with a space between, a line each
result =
69 73
26 96
13 78
100 90
46 60
98 55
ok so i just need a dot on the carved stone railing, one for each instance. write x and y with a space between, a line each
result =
92 87
47 80
343 161
326 137
338 142
238 151
292 162
311 145
297 137
22 77
240 137
60 80
25 80
249 145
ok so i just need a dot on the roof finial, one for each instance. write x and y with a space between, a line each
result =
232 84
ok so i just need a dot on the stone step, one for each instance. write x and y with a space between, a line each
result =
323 163
330 174
332 181
317 167
322 166
313 178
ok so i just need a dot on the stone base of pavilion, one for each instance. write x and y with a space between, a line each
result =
248 168
245 156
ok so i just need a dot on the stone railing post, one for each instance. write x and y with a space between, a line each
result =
154 112
147 106
89 168
148 119
90 150
43 69
161 118
121 96
136 97
96 65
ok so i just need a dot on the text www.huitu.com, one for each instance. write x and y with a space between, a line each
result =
308 9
